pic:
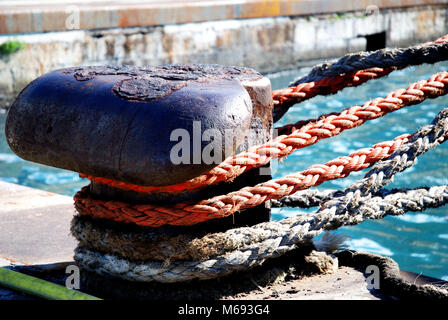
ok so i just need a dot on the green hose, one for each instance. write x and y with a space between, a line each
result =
39 288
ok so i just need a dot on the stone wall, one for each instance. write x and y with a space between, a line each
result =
266 44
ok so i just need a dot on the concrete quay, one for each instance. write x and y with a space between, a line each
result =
269 36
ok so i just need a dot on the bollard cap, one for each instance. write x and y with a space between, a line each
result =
120 122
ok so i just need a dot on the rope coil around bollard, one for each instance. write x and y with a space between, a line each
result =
207 256
253 245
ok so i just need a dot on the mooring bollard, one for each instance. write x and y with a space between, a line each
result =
147 126
117 123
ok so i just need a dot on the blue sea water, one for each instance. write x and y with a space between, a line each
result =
417 241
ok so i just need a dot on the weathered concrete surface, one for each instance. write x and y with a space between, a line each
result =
50 15
265 44
34 226
344 283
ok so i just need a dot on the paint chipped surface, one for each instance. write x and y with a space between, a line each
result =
153 82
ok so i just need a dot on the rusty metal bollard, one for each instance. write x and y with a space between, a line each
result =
118 123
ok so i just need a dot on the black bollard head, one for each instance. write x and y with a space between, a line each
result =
132 124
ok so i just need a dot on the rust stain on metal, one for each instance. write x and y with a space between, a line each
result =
154 82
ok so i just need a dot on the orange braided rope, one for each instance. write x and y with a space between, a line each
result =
185 213
305 135
304 91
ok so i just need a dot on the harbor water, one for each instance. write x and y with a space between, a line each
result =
417 241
